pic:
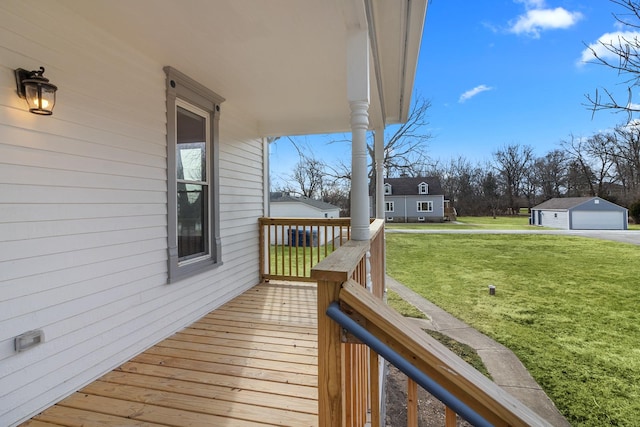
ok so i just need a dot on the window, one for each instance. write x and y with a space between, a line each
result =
387 189
193 232
423 188
388 206
425 206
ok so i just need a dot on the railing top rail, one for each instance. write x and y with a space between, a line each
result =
304 221
431 357
340 265
376 226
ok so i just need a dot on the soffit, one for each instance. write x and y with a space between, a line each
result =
282 62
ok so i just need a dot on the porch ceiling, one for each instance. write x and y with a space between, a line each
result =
283 62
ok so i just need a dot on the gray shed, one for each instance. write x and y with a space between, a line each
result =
580 213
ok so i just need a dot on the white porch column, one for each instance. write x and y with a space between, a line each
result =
378 146
358 96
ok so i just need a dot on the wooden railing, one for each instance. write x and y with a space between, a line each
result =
290 247
348 374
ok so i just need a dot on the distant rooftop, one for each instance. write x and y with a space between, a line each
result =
562 203
409 186
284 197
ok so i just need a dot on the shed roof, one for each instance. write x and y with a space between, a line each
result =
566 203
409 186
279 197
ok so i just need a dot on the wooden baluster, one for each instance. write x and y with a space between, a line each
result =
349 384
374 397
412 403
330 400
450 417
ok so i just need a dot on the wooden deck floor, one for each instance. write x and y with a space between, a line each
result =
251 362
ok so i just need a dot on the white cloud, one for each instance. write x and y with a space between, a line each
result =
616 39
473 92
537 20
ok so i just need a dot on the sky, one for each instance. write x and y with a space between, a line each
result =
502 72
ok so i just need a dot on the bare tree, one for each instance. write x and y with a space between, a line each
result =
626 156
490 192
309 173
472 189
551 174
337 195
626 51
406 149
513 162
592 158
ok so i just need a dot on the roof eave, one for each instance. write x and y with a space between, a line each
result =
395 59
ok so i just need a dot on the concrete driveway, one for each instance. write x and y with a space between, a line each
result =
625 236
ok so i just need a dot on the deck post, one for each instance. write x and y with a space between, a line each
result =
331 411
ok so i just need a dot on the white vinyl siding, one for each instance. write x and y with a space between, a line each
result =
83 212
301 210
555 219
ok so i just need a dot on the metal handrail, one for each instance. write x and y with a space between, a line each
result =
336 314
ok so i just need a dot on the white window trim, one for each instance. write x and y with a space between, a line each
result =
429 204
387 189
423 188
390 205
206 115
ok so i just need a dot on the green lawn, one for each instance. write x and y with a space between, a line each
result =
520 222
567 306
296 261
464 351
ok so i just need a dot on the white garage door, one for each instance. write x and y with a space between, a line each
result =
586 220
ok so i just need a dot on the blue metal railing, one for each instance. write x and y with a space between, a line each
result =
407 368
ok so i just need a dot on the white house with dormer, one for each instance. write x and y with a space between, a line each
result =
419 199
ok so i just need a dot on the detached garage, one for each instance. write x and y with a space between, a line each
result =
580 213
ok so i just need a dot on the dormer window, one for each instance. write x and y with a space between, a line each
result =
387 189
423 188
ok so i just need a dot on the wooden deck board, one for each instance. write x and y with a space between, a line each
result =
254 353
251 362
245 342
217 323
299 340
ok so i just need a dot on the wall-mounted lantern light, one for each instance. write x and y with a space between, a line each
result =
36 89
